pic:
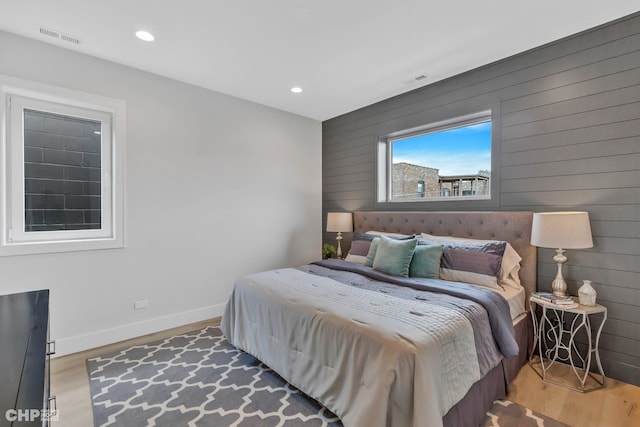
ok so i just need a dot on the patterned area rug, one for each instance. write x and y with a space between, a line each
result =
198 379
505 413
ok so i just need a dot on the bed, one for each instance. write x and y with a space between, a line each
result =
382 349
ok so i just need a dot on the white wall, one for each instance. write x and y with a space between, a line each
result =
216 187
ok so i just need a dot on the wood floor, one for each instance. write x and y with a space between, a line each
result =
618 405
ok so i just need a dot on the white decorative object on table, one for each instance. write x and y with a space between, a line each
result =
587 294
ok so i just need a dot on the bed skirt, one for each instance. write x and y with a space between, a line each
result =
471 410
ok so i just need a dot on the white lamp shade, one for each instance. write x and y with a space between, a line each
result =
339 222
563 230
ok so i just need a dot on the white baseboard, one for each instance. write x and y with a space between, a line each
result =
95 339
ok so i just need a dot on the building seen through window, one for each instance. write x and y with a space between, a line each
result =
450 162
62 172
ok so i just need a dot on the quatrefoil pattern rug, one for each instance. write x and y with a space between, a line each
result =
196 379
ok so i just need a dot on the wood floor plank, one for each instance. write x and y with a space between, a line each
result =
618 405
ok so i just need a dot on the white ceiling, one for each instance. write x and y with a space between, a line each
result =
345 54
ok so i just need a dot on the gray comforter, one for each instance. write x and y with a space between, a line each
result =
375 351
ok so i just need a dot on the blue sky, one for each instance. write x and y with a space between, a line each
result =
455 151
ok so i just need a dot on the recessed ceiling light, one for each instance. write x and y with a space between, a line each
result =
145 35
296 89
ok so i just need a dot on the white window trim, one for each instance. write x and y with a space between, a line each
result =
384 158
17 94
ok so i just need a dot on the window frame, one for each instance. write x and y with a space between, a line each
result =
384 159
18 95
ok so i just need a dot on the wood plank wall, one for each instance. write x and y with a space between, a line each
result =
569 135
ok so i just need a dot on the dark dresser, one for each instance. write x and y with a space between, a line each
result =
24 359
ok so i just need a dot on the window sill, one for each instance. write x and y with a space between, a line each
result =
33 248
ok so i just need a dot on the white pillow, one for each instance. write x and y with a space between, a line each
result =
510 259
357 259
384 233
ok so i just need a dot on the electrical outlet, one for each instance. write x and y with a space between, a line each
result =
140 304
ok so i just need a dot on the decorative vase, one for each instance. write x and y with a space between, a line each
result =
587 294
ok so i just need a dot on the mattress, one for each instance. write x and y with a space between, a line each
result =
515 298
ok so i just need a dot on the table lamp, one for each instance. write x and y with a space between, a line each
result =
560 231
339 222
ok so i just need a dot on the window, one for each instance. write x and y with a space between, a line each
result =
448 160
420 188
62 170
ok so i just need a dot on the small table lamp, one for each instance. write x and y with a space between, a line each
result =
560 231
339 222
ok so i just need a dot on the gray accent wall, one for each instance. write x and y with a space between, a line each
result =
567 131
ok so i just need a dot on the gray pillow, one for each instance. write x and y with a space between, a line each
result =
394 256
479 268
426 261
360 247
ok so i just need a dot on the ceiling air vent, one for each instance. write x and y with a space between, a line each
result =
422 78
49 33
60 36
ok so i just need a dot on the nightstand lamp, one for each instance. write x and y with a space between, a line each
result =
339 222
560 231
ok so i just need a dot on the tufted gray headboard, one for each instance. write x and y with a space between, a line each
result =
511 226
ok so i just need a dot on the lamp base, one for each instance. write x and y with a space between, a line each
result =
339 239
559 285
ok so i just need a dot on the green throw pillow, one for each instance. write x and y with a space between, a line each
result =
372 252
394 256
426 261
